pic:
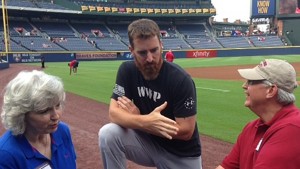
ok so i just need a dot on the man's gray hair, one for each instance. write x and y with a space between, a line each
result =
283 96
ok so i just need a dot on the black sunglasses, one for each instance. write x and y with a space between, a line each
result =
254 82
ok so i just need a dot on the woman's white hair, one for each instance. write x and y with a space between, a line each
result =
29 91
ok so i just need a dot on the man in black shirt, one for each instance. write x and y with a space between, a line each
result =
43 61
152 110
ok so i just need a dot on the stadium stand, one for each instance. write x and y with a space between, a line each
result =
90 33
48 5
91 29
266 41
55 29
34 43
176 44
234 42
20 3
203 43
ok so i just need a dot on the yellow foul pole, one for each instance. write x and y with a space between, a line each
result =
5 26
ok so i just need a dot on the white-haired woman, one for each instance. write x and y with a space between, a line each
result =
35 137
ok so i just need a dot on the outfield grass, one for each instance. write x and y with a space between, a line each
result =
221 113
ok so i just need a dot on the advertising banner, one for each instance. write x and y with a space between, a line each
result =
201 54
25 57
263 8
95 56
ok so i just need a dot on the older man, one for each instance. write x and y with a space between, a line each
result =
271 141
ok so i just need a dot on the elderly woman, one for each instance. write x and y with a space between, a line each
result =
35 137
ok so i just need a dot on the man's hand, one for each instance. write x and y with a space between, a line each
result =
127 105
220 167
159 125
153 123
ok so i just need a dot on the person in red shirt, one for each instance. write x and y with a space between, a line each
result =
169 56
298 7
271 141
73 66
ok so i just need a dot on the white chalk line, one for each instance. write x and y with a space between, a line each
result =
220 90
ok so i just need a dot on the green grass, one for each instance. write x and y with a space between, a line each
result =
94 80
222 115
221 112
227 61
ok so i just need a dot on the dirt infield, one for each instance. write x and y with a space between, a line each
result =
86 116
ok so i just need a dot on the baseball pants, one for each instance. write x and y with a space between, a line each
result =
118 144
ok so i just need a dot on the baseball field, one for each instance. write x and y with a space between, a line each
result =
221 112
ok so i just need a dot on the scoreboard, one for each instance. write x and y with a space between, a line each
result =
272 8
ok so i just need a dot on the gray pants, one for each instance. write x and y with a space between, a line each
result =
118 144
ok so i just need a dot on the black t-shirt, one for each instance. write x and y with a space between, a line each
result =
173 85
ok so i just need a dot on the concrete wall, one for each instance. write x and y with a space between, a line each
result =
4 65
291 30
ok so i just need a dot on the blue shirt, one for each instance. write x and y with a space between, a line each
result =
17 153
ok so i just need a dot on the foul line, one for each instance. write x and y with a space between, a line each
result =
220 90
